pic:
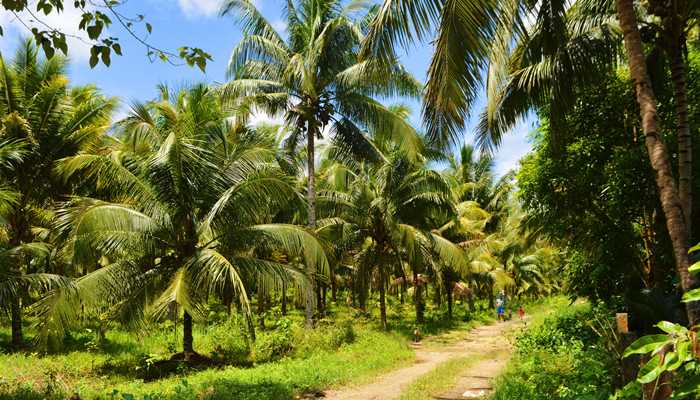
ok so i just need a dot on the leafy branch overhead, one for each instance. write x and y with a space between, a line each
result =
97 16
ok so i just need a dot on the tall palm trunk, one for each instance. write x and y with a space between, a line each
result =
284 298
311 198
418 298
382 298
658 154
16 317
685 146
448 294
187 341
18 232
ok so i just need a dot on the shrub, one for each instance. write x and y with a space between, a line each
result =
560 359
275 344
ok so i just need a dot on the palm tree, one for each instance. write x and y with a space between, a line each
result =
385 215
559 52
658 154
187 216
315 79
42 120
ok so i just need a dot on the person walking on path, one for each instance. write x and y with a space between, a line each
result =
521 312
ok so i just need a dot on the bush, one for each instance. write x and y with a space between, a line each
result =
230 342
275 344
560 359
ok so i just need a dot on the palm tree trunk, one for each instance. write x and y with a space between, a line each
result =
658 154
382 299
261 310
418 298
284 298
334 286
311 198
187 341
16 316
448 294
685 146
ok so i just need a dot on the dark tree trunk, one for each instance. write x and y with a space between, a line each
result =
16 323
448 294
492 303
362 290
438 296
311 199
418 298
284 299
382 299
334 287
319 299
685 145
261 311
187 341
470 299
658 153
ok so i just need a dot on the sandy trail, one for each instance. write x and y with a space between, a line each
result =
488 343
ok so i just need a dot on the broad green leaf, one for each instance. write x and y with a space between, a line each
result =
670 327
691 295
694 268
694 248
651 370
646 344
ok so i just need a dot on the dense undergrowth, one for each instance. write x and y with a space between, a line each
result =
284 360
560 357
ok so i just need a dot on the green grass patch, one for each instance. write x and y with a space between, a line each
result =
558 357
439 379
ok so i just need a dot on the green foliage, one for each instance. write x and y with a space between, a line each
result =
560 358
588 184
95 20
273 345
332 354
674 350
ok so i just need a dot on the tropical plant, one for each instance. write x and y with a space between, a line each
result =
186 216
386 216
42 120
314 78
560 53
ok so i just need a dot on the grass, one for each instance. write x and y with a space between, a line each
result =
347 348
446 374
558 357
439 379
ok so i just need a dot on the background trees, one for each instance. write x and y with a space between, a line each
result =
314 78
183 218
43 120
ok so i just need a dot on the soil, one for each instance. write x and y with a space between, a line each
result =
488 343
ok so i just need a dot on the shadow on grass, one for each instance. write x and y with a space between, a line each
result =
217 389
439 322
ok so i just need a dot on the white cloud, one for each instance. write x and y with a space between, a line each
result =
200 8
262 118
66 22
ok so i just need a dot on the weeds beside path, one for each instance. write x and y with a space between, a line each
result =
479 341
446 366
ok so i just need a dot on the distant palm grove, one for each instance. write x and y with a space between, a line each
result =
183 240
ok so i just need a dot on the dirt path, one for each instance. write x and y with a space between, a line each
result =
486 342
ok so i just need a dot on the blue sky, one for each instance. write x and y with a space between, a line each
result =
195 23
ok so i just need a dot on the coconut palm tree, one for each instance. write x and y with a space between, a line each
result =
474 34
385 215
186 216
314 77
42 120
